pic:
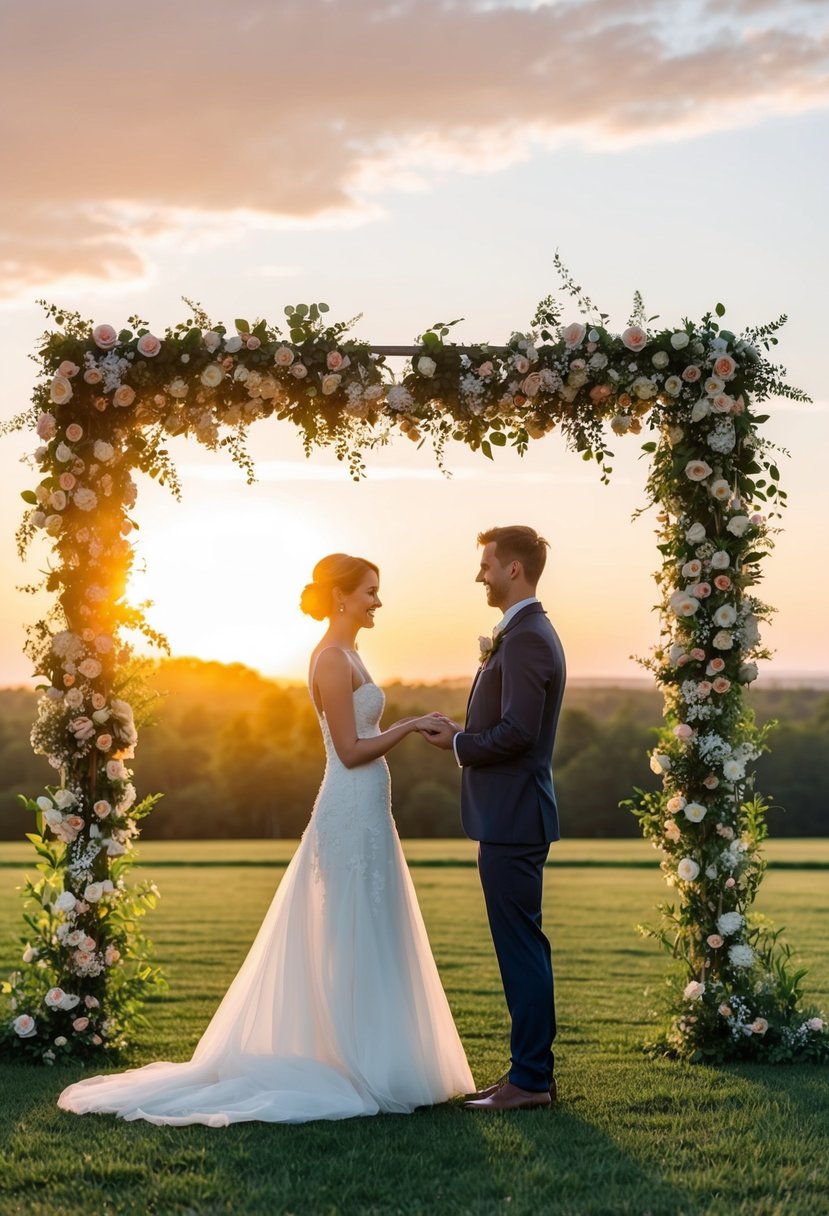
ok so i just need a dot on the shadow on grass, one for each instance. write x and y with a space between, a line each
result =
442 1159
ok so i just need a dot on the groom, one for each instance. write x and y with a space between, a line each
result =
508 803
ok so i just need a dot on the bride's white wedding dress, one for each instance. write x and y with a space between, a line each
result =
338 1009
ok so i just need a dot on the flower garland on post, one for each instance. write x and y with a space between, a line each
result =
104 407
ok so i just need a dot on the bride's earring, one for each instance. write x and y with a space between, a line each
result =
342 609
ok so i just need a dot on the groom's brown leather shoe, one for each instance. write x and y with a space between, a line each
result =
500 1083
510 1097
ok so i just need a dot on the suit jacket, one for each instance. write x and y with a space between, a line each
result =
506 748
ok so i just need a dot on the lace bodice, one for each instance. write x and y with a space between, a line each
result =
369 702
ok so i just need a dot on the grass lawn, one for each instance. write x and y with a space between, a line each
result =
628 1135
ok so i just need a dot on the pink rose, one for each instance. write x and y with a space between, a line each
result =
80 1024
684 731
103 743
714 941
104 337
521 364
600 393
725 367
573 334
635 338
715 665
68 369
698 470
722 582
697 654
721 684
74 432
101 808
283 356
710 782
759 1025
486 369
97 1040
149 346
123 396
691 374
702 591
91 1002
815 1024
92 376
722 403
532 384
252 342
46 426
334 361
67 481
704 688
729 882
299 370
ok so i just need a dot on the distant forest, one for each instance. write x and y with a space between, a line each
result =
238 755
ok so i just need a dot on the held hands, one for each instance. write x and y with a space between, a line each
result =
438 730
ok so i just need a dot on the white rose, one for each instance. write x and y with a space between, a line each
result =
748 673
687 869
695 812
103 451
65 798
661 359
63 453
213 375
720 489
679 340
720 560
85 499
426 366
644 388
694 990
660 763
725 616
683 604
702 409
698 470
673 385
722 640
24 1026
714 385
65 902
93 892
738 524
695 534
212 340
733 770
44 803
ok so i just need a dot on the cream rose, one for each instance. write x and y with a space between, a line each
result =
330 384
698 470
74 432
46 426
695 534
85 499
691 374
123 396
93 892
725 616
283 356
695 812
60 390
92 375
722 640
212 375
660 359
427 367
679 340
687 869
720 561
103 451
694 990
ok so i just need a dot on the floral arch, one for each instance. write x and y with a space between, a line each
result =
103 407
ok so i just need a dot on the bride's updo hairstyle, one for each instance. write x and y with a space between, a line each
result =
336 570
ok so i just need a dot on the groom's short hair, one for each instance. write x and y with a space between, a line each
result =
518 543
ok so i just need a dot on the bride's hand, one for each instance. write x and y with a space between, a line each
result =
430 724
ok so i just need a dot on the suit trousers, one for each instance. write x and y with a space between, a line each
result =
512 878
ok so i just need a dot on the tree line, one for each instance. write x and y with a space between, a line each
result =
239 755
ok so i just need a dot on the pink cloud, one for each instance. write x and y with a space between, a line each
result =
126 124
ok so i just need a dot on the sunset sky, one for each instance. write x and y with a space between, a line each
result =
417 161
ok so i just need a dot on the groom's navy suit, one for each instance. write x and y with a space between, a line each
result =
508 805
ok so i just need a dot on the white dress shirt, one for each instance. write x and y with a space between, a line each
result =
499 628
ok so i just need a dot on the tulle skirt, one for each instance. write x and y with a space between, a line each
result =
337 1011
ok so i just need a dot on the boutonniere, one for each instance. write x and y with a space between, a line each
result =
488 646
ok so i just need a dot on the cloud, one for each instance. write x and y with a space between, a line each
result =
134 127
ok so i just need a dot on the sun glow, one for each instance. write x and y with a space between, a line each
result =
230 591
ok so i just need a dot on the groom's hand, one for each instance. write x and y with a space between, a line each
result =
439 731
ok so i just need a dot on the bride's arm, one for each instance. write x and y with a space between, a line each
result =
333 681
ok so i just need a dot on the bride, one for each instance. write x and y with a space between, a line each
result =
338 1009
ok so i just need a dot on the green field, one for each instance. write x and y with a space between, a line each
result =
628 1135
